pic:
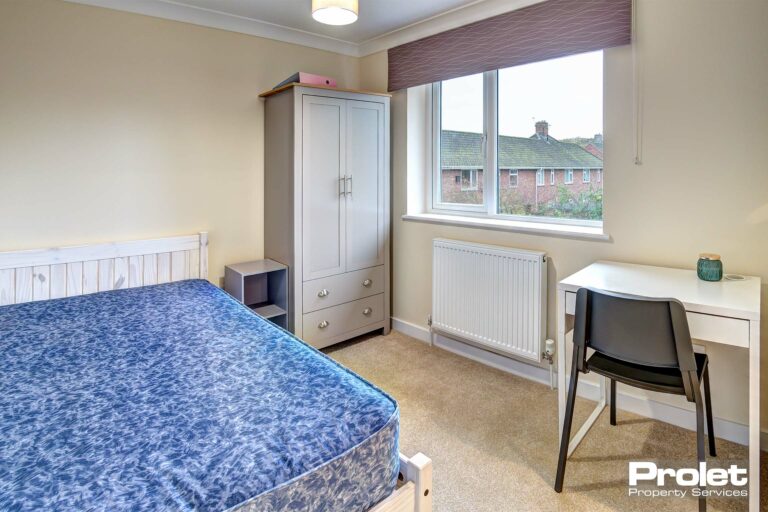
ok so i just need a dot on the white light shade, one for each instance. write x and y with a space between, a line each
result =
335 12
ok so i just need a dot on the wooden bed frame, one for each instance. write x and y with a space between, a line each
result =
42 274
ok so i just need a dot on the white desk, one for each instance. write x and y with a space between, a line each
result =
726 312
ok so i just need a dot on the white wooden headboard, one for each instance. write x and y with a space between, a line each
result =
41 274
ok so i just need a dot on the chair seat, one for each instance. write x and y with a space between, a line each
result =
653 378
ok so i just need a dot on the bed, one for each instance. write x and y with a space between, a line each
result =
128 382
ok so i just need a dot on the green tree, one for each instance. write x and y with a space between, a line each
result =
586 205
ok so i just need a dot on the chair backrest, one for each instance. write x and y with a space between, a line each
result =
640 330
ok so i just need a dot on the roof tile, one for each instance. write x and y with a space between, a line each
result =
464 149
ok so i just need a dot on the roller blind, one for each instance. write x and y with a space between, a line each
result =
542 31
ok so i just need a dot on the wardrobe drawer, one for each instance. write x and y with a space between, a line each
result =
341 288
330 322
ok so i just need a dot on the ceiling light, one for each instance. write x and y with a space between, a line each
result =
335 12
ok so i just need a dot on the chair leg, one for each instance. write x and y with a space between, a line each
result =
567 422
700 438
710 422
613 402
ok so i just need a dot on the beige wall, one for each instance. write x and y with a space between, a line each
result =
373 72
118 126
705 87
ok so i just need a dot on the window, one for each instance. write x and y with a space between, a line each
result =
468 179
513 177
461 143
520 122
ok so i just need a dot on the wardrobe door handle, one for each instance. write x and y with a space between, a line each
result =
323 293
323 324
348 185
367 311
367 283
343 186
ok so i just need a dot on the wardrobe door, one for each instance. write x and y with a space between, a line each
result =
323 163
365 184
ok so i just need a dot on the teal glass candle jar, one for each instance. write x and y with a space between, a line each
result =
709 267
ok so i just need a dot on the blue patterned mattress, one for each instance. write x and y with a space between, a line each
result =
176 397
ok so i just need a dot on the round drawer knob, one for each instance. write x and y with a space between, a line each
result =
323 293
367 311
367 283
323 324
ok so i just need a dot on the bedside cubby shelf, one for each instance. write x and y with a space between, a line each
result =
262 286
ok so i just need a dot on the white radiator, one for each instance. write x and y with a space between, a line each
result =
494 297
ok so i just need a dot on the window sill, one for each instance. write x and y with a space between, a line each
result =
528 227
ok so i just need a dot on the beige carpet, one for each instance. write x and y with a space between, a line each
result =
492 436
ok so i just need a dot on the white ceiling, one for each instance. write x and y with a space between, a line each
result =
381 25
377 17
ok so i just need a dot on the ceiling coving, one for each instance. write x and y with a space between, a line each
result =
382 24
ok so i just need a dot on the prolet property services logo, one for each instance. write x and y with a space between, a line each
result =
647 479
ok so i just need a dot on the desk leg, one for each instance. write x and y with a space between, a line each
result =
582 432
754 416
562 328
561 320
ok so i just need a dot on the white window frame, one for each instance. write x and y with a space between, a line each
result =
541 180
516 174
489 208
585 176
552 177
438 206
568 177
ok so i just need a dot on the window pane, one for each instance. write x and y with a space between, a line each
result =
513 177
550 119
461 140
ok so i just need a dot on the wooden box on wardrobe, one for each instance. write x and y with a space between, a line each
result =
326 208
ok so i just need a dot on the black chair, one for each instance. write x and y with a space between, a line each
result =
642 342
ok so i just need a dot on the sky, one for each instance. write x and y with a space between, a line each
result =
566 92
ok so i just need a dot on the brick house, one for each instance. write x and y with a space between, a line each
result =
595 146
531 170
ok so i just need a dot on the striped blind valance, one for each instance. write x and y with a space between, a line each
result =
546 30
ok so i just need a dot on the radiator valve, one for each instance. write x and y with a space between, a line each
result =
549 351
549 355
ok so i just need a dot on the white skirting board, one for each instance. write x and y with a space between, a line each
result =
724 429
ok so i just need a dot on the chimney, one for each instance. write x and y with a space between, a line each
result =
542 129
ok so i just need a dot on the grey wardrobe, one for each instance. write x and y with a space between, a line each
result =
326 208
